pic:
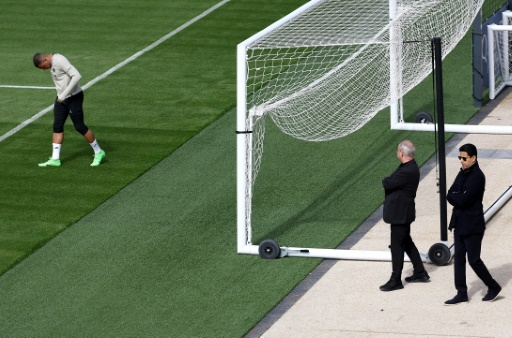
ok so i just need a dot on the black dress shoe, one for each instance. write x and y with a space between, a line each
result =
459 298
492 294
392 285
421 277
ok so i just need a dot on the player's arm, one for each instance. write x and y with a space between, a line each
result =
74 76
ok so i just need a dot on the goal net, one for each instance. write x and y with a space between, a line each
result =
325 70
499 53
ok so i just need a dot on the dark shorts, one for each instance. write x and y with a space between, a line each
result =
72 106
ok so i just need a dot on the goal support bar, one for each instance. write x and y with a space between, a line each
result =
454 128
366 255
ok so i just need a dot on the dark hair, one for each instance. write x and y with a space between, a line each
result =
469 148
38 58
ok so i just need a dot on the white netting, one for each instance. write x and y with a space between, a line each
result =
325 73
501 54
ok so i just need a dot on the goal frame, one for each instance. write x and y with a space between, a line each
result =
504 28
244 135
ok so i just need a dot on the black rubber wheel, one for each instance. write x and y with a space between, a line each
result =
439 254
423 117
269 249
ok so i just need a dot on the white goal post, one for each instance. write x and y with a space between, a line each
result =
499 56
498 51
323 71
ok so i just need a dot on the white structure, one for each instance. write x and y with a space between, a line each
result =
498 50
325 70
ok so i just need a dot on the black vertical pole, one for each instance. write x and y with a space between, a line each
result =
440 135
477 60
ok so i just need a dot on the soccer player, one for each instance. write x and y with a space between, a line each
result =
69 101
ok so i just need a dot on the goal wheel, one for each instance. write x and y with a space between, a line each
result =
269 249
423 117
439 254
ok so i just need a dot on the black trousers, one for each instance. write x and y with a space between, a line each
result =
401 242
72 106
472 246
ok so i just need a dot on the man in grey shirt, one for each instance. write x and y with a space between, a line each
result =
69 102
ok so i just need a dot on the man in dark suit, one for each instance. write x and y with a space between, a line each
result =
466 195
400 211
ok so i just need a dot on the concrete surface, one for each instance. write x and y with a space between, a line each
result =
341 298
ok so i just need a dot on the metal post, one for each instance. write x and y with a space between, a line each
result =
440 134
477 61
394 82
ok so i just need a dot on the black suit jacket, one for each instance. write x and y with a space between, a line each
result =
466 195
400 191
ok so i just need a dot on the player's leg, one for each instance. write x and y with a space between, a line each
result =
77 116
60 114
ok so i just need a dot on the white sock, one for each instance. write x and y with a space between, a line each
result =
95 146
56 150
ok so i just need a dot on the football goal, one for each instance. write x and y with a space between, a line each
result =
323 71
499 55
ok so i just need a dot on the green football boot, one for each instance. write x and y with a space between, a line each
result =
97 158
50 163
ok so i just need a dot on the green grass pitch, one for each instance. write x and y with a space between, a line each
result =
145 244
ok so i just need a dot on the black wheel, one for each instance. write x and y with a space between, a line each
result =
269 249
423 117
439 254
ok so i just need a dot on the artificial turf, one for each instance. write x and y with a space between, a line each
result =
147 241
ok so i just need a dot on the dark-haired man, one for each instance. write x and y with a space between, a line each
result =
466 195
69 102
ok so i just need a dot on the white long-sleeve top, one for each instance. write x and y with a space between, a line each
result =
65 76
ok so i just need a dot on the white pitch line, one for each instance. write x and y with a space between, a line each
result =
116 67
25 87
